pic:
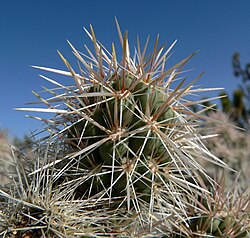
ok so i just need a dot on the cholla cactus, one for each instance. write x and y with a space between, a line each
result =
128 141
233 147
225 214
34 208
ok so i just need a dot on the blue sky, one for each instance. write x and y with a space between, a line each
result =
32 32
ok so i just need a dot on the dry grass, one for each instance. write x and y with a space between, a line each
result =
6 161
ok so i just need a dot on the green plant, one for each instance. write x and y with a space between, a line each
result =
238 106
32 207
225 214
127 144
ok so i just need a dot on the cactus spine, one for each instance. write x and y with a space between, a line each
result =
128 142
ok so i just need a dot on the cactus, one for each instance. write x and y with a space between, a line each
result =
233 147
32 207
227 215
225 102
129 144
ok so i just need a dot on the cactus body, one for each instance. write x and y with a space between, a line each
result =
128 142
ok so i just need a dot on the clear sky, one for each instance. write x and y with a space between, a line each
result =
32 31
